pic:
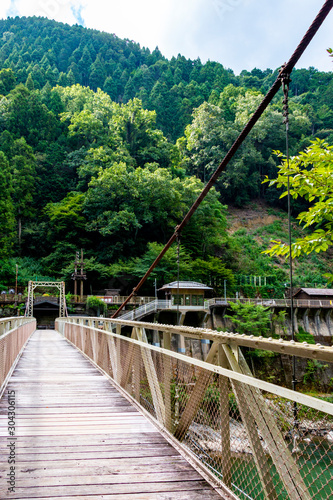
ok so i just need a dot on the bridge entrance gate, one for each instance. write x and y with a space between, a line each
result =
60 285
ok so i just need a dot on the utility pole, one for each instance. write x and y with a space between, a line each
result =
16 285
74 276
78 275
83 277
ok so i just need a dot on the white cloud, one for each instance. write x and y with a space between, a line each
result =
59 10
140 21
4 8
241 34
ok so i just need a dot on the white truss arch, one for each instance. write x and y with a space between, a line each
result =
60 285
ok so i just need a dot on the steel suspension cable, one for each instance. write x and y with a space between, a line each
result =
285 83
178 276
285 70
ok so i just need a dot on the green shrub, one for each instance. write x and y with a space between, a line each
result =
96 304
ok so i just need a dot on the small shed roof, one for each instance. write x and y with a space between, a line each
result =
316 291
186 285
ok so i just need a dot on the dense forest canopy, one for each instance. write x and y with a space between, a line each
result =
104 146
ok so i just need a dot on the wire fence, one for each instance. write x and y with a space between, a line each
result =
14 332
256 439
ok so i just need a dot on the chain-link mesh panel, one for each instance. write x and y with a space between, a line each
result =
258 444
15 333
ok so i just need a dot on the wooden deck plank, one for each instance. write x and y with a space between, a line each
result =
100 490
179 495
77 437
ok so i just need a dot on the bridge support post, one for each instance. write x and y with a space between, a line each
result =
181 339
167 381
136 374
224 416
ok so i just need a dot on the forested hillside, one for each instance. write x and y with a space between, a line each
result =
105 145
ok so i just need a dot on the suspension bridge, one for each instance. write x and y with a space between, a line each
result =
91 409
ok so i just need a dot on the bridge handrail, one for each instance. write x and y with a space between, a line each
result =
289 347
190 399
119 299
14 332
255 382
146 309
304 303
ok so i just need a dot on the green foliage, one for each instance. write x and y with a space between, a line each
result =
105 146
215 127
310 177
303 336
97 273
211 271
313 372
244 251
28 269
249 318
96 304
233 407
126 205
7 80
66 220
6 208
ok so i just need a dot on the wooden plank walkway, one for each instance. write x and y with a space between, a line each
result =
76 436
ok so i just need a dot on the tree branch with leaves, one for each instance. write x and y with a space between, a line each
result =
310 176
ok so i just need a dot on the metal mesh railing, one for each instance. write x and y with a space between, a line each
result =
14 332
283 303
256 439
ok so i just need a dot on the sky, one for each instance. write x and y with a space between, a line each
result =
240 34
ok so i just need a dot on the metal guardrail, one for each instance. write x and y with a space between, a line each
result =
14 332
327 304
157 305
11 297
255 439
145 309
139 301
119 299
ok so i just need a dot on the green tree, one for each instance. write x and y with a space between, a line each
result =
97 73
23 168
96 304
136 129
66 220
212 271
214 129
84 65
7 220
30 83
166 271
310 175
87 113
126 206
7 80
249 318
